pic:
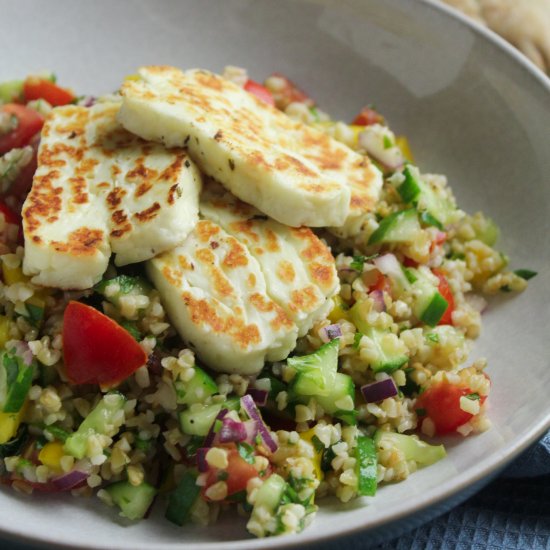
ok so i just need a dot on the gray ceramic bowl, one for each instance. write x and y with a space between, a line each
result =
473 109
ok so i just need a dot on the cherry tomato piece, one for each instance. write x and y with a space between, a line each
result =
96 349
445 291
261 92
368 116
29 123
41 88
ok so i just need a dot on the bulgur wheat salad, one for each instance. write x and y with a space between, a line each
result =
215 296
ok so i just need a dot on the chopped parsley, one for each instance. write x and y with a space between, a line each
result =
357 263
357 339
525 273
473 396
317 444
433 337
388 143
246 451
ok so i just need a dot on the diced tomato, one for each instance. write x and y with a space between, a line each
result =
96 349
236 475
290 93
382 283
29 123
368 116
441 403
409 262
261 92
445 291
9 215
440 238
42 88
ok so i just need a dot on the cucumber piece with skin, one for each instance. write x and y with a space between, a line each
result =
133 501
105 419
182 498
386 359
413 449
429 305
196 390
198 421
418 193
399 227
126 285
343 387
315 372
270 493
366 466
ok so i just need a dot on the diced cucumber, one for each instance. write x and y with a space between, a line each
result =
133 501
197 421
342 387
387 360
487 232
15 381
417 192
122 285
366 466
413 449
106 418
11 90
270 493
182 498
197 389
399 227
429 305
316 371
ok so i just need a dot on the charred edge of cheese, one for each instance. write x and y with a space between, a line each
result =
99 187
298 267
296 174
215 295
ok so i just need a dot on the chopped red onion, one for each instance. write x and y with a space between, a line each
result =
209 439
330 333
378 391
387 264
377 297
71 480
251 409
22 350
259 396
231 430
251 427
201 459
371 140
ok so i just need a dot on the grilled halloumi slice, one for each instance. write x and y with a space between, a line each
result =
99 188
294 173
298 268
215 295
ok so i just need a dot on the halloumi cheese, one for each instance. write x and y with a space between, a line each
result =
215 295
298 267
294 173
97 189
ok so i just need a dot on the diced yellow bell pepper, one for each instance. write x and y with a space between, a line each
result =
9 424
4 331
13 275
318 454
132 77
339 311
356 131
403 143
51 454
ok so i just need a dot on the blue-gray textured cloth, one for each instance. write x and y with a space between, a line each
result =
511 513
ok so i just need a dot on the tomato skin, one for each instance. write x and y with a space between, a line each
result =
445 291
261 92
30 123
96 349
442 405
238 472
9 215
368 116
41 88
290 93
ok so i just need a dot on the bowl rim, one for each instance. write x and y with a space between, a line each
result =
487 468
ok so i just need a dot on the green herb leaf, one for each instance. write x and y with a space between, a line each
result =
427 219
131 327
525 273
317 444
432 337
505 288
388 143
473 396
357 339
246 451
58 433
358 263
